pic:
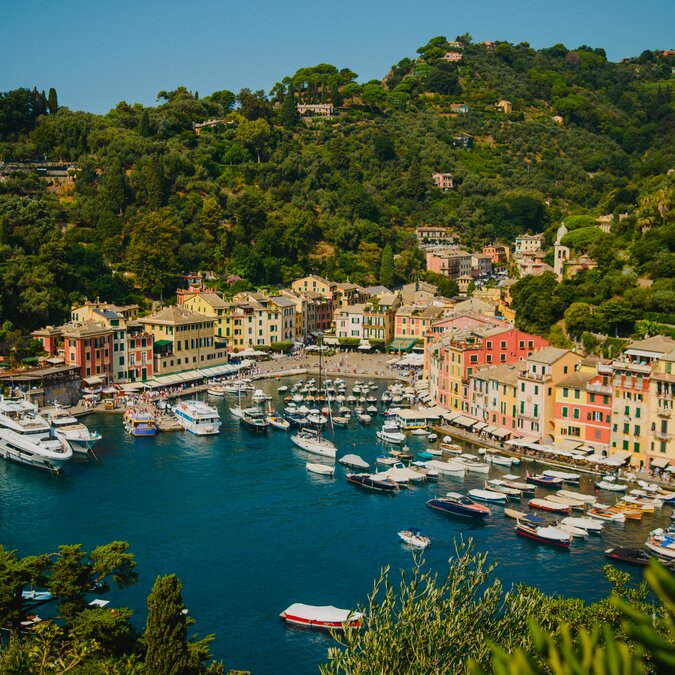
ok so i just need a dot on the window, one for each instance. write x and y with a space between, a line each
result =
575 413
636 447
565 411
566 392
536 390
637 413
636 430
536 410
577 394
503 344
626 428
592 398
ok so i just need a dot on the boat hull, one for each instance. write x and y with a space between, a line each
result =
457 510
533 536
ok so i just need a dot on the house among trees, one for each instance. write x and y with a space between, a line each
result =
452 57
463 140
459 108
443 181
315 109
434 236
505 106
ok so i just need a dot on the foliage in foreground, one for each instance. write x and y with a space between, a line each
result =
464 622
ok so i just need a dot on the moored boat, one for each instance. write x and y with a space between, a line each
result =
354 461
604 514
589 524
544 481
255 420
634 556
373 481
197 417
553 536
565 476
661 543
278 422
139 423
323 618
322 469
546 505
489 496
609 483
579 496
414 538
312 441
456 504
393 437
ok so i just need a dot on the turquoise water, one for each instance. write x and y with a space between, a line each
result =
249 531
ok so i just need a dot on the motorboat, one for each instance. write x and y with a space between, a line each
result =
647 504
609 483
403 474
499 460
628 511
218 390
255 420
512 481
197 417
394 437
432 438
446 468
365 419
385 460
564 476
323 618
317 419
472 465
588 524
634 556
354 461
528 517
312 441
546 505
419 432
498 486
431 474
456 504
278 422
259 396
414 538
604 514
373 481
27 438
139 423
541 480
283 388
662 543
579 496
372 410
488 496
572 530
322 469
340 421
36 596
572 503
547 534
69 430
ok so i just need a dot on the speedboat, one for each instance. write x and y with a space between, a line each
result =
197 417
139 423
546 505
322 469
71 431
488 496
255 420
27 438
395 437
608 483
354 461
373 481
323 618
277 422
544 481
544 535
312 441
456 504
588 524
662 543
634 556
564 476
259 396
414 538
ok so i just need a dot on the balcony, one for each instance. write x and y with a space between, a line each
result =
631 366
663 412
534 377
662 435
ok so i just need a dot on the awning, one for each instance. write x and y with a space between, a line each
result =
365 348
659 462
402 344
162 343
480 425
490 430
618 458
451 416
92 380
109 390
501 433
331 341
463 421
189 376
567 444
132 386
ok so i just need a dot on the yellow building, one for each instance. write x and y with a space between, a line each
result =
315 284
379 318
183 340
661 450
493 396
209 304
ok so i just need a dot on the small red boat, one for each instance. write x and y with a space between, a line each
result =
323 618
546 505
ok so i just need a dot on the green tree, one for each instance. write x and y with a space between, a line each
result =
52 101
211 214
254 135
579 318
289 110
387 271
144 124
114 187
151 254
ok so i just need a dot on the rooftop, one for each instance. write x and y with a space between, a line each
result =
548 355
174 316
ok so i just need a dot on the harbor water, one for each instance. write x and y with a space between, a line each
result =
250 531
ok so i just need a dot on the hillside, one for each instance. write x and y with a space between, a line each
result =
267 196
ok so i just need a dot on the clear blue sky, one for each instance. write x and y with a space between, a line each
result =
97 53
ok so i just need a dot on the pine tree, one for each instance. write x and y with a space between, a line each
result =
114 187
52 101
211 214
289 111
166 629
154 181
144 124
387 267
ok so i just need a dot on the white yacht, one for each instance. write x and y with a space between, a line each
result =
27 438
71 432
197 417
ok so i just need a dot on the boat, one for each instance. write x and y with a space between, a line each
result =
432 438
317 419
139 423
579 496
323 618
322 469
634 556
564 476
547 534
609 483
647 505
604 514
259 396
456 504
472 465
27 438
431 474
278 422
373 481
446 468
385 460
573 530
394 437
312 441
365 418
572 503
217 390
36 596
488 496
498 486
424 455
452 448
662 543
628 511
414 538
403 474
340 421
544 481
588 524
419 432
528 517
197 417
512 481
546 505
354 461
69 430
282 389
255 420
499 460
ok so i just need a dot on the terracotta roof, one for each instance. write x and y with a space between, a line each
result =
173 316
502 373
577 380
549 355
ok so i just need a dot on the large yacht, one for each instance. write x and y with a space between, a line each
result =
197 417
70 431
27 438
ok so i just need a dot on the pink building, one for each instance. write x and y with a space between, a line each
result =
498 254
443 181
452 56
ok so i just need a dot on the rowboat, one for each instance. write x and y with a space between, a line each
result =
608 483
324 618
322 469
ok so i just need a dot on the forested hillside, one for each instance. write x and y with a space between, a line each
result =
267 196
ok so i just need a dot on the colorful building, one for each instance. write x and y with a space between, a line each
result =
493 395
661 449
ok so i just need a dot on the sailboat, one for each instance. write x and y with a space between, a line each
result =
311 440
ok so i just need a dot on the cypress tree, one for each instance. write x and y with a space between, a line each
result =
144 124
114 186
289 111
52 101
166 629
387 267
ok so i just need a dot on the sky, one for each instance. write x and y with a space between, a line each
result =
96 53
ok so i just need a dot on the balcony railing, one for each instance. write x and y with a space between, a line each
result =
632 366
